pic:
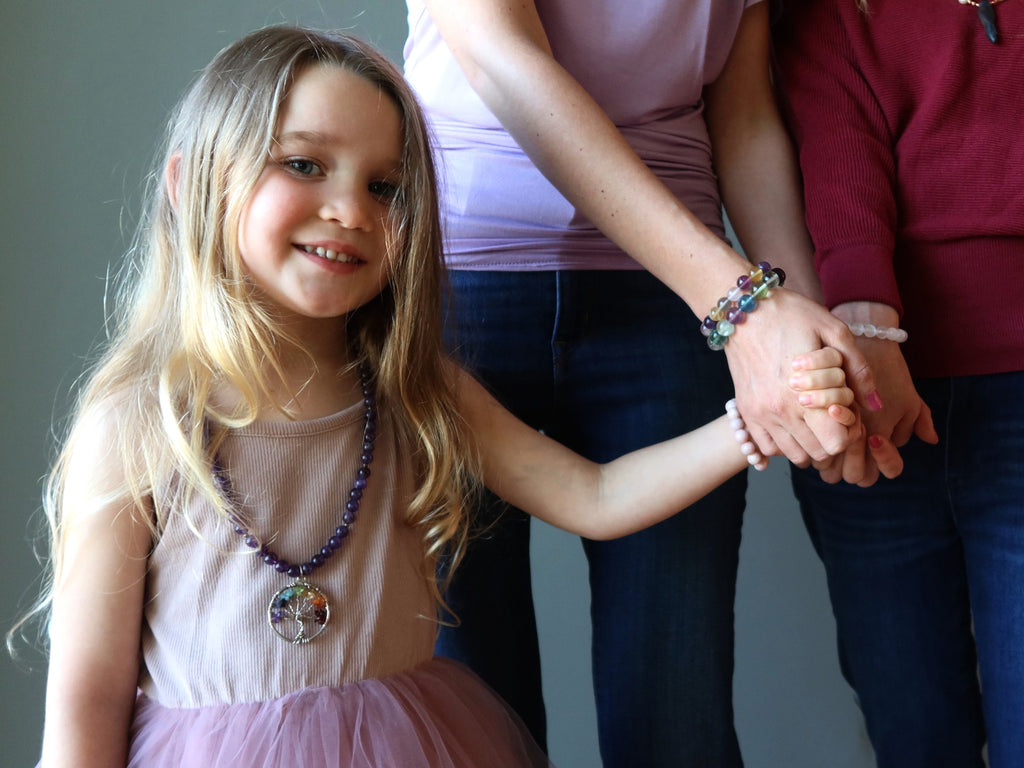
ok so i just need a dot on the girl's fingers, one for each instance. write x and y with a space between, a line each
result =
819 378
826 357
824 398
842 414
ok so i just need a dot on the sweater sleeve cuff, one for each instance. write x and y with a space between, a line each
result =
858 273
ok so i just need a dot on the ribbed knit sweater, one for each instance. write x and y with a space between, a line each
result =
907 121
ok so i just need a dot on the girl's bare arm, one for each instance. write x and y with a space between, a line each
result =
97 611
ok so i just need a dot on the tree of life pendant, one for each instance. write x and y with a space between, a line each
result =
299 612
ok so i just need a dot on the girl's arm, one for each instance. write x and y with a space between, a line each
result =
546 479
603 501
96 624
504 52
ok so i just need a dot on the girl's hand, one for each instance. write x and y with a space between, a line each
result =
821 384
819 380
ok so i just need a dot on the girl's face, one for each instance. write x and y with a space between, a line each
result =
313 234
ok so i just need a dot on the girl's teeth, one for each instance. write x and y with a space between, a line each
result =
325 253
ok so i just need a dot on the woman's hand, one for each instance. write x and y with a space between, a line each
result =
905 413
761 353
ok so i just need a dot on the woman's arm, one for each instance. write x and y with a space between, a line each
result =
847 157
504 51
761 189
755 161
97 612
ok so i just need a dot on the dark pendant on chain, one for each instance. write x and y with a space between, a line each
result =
987 15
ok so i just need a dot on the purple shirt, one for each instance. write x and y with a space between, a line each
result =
645 62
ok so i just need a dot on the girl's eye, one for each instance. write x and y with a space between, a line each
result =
302 166
383 190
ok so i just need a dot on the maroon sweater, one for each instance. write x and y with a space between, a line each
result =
910 129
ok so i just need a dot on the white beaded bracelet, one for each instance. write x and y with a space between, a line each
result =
869 331
747 446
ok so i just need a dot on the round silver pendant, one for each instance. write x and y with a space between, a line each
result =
299 612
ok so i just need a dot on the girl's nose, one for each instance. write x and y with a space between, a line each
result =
351 208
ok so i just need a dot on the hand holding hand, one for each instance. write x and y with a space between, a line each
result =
760 357
905 413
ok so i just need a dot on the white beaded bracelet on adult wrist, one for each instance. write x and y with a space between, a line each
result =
747 446
869 331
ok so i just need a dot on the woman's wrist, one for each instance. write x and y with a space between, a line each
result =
871 320
872 331
873 312
753 286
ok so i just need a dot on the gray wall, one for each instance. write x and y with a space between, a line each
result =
86 88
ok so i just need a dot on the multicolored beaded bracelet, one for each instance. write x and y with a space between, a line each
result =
869 331
733 308
747 446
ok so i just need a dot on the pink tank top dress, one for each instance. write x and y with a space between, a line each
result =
219 687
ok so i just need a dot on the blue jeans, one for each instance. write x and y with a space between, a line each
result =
915 562
606 362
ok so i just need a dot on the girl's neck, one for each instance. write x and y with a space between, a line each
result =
311 389
314 380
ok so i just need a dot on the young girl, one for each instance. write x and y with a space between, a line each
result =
274 451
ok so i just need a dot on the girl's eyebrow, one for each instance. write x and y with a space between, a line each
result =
311 137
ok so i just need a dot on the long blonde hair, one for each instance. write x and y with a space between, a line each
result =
186 321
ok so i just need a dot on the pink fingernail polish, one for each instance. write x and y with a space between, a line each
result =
875 401
876 441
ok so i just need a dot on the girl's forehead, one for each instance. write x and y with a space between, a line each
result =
324 90
333 105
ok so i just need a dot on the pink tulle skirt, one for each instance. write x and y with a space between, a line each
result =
438 715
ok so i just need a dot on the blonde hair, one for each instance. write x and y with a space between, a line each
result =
186 321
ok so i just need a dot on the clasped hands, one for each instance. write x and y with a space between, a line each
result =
849 429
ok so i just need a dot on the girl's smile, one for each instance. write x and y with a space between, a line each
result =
313 236
342 254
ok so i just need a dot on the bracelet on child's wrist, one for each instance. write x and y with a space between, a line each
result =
870 331
732 309
747 446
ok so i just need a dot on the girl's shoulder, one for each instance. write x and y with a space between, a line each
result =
101 424
102 454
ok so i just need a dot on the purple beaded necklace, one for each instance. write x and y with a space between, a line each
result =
299 612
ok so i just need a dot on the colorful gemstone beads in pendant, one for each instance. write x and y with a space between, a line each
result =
299 612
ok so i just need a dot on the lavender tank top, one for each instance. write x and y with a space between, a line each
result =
645 62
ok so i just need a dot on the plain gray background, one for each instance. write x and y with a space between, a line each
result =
86 91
